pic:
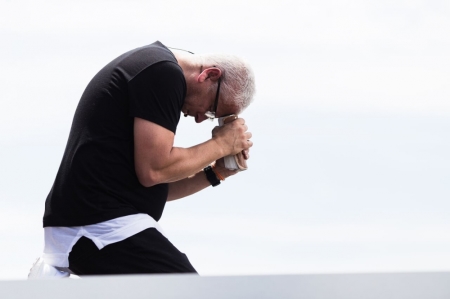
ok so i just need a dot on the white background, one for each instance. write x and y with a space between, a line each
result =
350 170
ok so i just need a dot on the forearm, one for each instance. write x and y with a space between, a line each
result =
183 162
158 161
187 186
198 182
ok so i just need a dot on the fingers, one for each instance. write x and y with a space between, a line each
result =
246 154
225 172
247 143
240 121
214 130
233 136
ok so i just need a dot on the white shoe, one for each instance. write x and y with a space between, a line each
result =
41 270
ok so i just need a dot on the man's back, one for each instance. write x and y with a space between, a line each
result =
97 180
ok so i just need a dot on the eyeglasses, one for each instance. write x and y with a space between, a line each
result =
212 114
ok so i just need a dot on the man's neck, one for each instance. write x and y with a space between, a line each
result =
187 62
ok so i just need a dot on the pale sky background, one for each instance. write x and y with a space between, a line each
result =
350 170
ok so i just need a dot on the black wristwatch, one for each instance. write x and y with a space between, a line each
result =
211 176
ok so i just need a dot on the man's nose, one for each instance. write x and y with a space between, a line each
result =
200 117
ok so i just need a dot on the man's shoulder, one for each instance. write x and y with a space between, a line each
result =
135 61
156 49
149 54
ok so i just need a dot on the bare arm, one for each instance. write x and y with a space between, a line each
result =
191 185
158 161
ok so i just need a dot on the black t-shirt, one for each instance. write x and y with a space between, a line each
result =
97 180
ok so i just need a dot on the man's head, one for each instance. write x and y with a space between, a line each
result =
237 85
225 79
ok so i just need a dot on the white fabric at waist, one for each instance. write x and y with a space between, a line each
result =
60 240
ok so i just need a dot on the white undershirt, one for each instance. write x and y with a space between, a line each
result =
60 240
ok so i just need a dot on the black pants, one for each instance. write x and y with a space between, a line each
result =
146 252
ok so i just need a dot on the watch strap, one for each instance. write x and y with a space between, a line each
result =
211 176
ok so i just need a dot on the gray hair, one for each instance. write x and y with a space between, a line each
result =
238 80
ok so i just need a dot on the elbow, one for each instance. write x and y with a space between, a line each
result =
148 178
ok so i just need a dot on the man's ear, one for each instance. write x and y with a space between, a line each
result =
212 73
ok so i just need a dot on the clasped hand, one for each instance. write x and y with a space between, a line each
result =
233 137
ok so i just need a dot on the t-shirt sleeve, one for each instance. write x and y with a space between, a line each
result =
157 94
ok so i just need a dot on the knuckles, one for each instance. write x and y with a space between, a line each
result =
236 132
